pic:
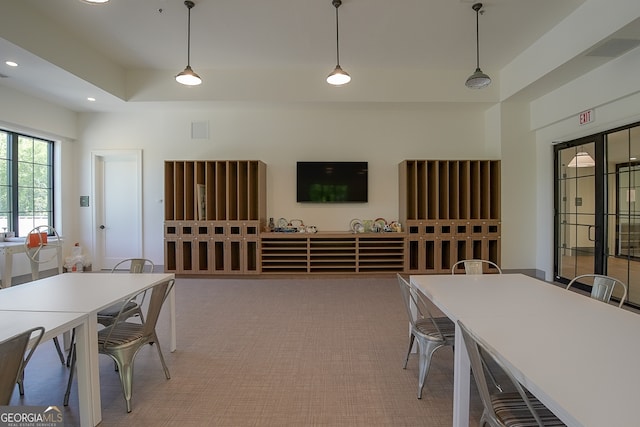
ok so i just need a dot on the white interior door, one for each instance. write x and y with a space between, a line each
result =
117 207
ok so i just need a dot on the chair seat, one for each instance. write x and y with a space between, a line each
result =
123 333
447 327
513 411
115 309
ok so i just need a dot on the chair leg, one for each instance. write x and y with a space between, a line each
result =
59 350
164 365
125 369
67 393
411 341
425 364
21 383
71 346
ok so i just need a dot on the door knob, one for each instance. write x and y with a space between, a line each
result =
102 227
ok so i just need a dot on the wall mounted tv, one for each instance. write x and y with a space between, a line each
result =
332 182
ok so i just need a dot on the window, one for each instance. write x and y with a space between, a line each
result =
26 182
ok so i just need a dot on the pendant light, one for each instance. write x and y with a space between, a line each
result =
338 77
478 79
582 159
188 76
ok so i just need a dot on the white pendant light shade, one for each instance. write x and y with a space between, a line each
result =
189 77
478 79
339 77
582 160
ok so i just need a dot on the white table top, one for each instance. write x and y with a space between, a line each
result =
577 355
54 323
77 292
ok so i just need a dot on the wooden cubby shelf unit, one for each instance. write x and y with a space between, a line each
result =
289 253
232 190
449 189
215 216
214 211
451 211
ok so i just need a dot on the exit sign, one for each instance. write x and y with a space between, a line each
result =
586 117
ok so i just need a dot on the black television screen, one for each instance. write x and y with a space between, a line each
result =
332 182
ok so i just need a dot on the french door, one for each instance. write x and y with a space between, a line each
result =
597 227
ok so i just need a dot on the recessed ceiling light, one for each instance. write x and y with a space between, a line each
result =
11 63
92 99
633 158
94 1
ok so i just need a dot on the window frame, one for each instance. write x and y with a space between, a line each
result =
13 160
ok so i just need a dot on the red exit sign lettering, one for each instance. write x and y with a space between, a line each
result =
586 117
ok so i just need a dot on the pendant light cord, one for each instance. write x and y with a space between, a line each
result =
189 36
337 5
477 39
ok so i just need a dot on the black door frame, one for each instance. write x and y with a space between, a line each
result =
598 141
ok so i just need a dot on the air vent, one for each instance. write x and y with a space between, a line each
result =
614 48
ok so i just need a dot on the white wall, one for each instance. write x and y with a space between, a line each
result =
279 135
23 113
554 118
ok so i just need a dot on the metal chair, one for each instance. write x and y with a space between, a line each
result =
133 307
430 332
13 361
503 409
122 340
602 286
35 241
475 266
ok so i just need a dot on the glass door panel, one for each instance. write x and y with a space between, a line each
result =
576 204
623 209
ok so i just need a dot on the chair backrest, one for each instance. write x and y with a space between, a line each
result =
475 266
159 293
417 308
136 265
479 354
13 360
602 286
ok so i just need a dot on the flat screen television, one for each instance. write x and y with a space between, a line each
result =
332 182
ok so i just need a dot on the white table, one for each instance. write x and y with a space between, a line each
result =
577 355
54 323
81 295
8 249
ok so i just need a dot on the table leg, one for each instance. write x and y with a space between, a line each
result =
35 267
88 372
172 318
8 266
461 382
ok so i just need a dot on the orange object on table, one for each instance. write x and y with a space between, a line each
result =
37 239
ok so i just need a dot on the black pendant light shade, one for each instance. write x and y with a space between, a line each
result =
338 77
478 79
188 76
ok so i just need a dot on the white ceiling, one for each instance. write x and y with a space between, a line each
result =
127 51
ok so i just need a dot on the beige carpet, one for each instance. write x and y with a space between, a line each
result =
271 352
